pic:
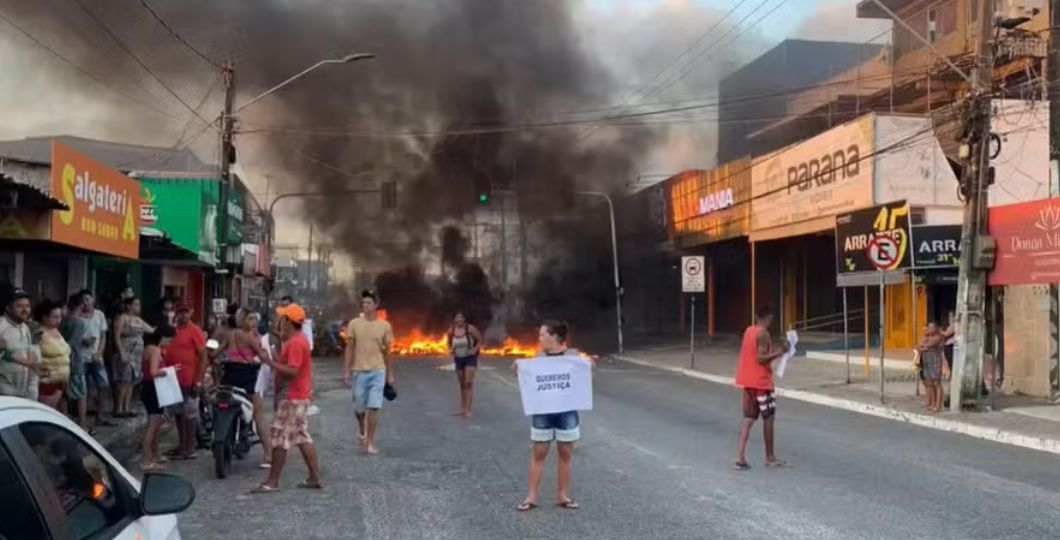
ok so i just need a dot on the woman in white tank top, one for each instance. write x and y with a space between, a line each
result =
464 340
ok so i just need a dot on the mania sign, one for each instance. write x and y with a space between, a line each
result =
104 204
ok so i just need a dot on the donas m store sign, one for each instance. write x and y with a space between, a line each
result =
1028 243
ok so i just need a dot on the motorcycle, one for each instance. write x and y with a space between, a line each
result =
232 415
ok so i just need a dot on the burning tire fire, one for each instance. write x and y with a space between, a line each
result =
418 344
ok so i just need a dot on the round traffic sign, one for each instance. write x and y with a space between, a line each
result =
693 267
883 253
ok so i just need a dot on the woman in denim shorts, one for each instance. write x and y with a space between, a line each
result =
463 340
561 427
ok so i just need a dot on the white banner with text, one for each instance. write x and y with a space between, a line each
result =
554 384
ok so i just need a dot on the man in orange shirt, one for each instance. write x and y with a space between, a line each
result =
754 373
294 389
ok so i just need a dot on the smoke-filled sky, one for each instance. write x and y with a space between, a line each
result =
463 67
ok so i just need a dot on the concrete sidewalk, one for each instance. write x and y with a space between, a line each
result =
1023 422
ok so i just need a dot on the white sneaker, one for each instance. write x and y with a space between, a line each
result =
313 410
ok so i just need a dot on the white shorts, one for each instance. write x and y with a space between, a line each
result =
263 386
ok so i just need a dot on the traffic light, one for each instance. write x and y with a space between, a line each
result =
483 190
389 195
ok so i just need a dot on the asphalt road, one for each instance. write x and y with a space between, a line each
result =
654 462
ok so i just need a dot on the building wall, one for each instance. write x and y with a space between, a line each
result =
1027 340
951 35
791 64
862 79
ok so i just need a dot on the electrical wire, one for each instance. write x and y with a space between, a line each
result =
690 64
683 105
168 153
334 168
907 142
124 47
177 36
688 68
625 103
923 136
337 131
57 55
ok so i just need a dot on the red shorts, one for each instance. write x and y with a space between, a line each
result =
758 403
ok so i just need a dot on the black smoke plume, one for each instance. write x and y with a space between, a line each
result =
413 302
438 111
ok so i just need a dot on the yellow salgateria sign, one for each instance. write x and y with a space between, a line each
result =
104 205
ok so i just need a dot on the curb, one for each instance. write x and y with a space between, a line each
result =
874 361
1011 438
124 438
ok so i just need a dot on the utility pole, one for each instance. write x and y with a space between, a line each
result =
1052 66
309 263
969 348
503 199
228 79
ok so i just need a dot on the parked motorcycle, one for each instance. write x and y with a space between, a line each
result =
232 417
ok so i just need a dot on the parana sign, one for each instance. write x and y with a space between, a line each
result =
712 202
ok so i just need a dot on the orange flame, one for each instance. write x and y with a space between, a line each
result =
416 343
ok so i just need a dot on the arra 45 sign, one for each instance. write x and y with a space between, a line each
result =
873 239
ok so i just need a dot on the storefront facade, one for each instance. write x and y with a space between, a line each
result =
92 210
798 192
709 216
181 212
1027 262
180 216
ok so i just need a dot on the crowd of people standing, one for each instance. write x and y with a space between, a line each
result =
66 355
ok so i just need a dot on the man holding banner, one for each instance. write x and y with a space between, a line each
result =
554 386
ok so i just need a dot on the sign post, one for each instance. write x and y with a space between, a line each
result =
846 333
883 373
884 252
693 281
874 240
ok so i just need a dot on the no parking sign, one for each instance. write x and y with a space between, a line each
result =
873 239
693 279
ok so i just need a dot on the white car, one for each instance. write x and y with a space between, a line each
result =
57 482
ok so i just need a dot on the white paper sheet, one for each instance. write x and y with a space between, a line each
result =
552 384
167 388
782 366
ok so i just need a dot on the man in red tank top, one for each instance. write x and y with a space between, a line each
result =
754 373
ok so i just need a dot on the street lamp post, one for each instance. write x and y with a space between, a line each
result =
228 131
614 260
344 60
